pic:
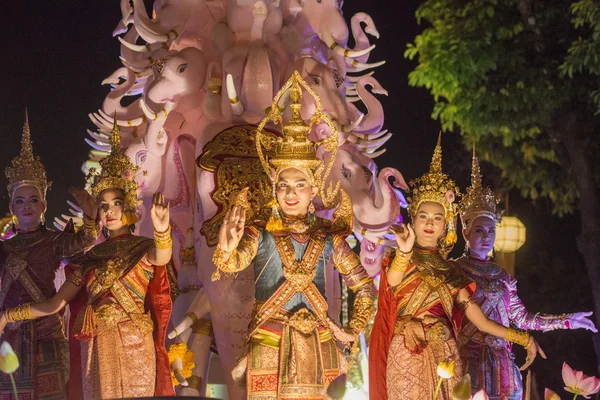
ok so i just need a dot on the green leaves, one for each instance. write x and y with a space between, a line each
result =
502 76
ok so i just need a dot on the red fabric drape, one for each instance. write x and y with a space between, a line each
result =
158 301
381 337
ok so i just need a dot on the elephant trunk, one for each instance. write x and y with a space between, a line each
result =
368 215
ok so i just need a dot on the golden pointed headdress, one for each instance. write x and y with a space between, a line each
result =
26 169
478 201
294 149
437 187
116 172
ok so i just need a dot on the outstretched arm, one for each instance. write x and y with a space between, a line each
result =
478 318
161 253
524 319
405 239
50 306
348 264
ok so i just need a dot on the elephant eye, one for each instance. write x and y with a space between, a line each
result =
346 173
182 68
319 1
316 79
140 157
368 174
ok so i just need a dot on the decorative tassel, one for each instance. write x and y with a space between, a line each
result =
86 325
274 224
451 237
129 218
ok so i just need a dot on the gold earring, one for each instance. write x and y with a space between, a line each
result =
311 208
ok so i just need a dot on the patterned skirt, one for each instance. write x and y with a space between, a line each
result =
120 361
492 368
413 374
284 363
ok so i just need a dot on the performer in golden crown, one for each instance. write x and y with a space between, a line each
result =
292 349
122 315
28 265
491 362
422 299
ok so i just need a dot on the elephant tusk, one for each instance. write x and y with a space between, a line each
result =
357 66
151 115
149 33
370 136
369 143
73 217
179 329
376 154
59 224
236 105
134 68
352 99
342 51
177 367
78 209
144 48
352 126
98 146
352 92
122 122
100 137
355 79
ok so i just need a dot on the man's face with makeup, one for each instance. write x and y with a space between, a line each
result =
429 223
294 192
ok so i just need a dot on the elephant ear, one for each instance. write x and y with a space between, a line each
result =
341 223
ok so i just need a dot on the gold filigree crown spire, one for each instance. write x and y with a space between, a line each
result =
478 201
295 149
26 169
117 172
437 187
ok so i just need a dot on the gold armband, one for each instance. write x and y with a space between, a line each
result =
19 313
401 262
517 336
162 240
90 226
74 279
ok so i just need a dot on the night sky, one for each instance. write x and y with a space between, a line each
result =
56 53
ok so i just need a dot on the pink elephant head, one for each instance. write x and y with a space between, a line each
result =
328 85
177 82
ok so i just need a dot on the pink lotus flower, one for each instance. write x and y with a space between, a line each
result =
578 383
481 395
550 395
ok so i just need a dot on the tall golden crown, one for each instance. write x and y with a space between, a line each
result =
478 201
294 149
434 186
26 170
116 172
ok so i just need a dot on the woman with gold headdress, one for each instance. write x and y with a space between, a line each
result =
491 363
292 341
422 299
124 311
28 264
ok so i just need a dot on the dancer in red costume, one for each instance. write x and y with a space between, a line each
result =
126 305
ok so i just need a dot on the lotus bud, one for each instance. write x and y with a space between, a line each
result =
9 362
462 391
445 369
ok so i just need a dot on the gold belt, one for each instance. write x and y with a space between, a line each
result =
302 320
108 316
428 330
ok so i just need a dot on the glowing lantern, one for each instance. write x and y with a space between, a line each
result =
510 235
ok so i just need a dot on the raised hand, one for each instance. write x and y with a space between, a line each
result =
85 201
159 212
232 229
405 237
532 350
580 320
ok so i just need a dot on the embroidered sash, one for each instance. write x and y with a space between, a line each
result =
299 276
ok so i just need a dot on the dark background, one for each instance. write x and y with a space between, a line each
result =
55 55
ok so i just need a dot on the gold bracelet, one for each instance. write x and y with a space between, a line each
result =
193 316
400 263
74 279
19 313
163 240
517 336
90 226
